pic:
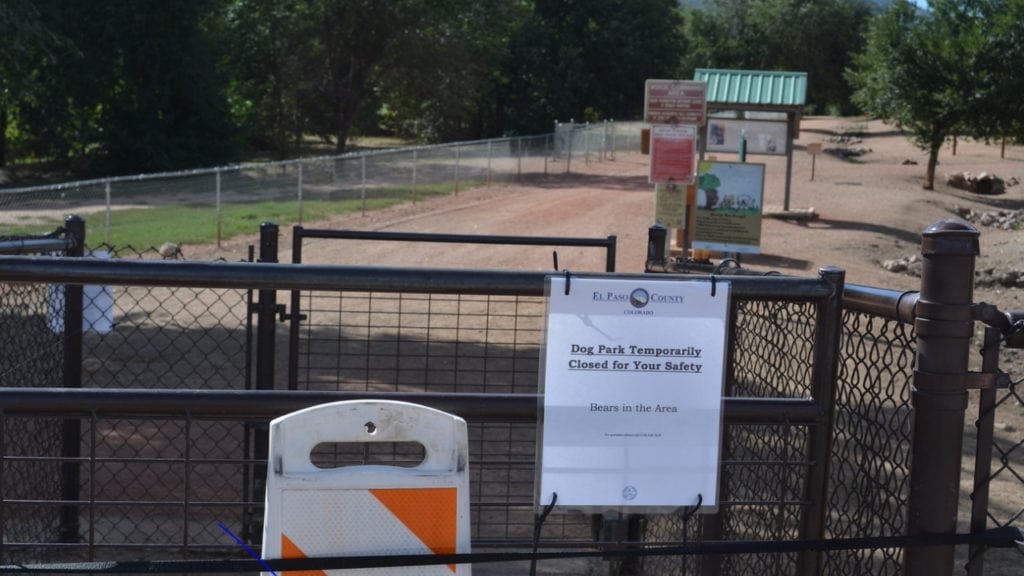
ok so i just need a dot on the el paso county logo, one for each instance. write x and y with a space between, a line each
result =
638 298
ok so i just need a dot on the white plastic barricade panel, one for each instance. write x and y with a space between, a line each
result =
368 509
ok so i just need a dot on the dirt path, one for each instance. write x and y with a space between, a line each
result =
871 210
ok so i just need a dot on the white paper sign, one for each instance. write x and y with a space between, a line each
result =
633 376
97 305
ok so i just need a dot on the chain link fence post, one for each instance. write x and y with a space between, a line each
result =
415 161
219 215
71 433
299 193
568 146
488 163
362 182
549 149
519 159
944 328
106 217
456 170
825 370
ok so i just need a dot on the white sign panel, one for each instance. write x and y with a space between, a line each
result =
762 137
633 376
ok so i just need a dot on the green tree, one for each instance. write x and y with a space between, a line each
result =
132 87
25 47
952 69
814 36
352 43
264 64
445 87
586 60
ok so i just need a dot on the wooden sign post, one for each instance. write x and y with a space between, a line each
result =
813 149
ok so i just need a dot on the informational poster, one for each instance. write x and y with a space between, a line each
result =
675 102
673 154
729 207
632 393
670 205
763 137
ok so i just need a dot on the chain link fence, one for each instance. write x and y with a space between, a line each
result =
31 356
158 486
164 337
308 188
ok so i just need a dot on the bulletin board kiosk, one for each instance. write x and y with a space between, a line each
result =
761 108
715 206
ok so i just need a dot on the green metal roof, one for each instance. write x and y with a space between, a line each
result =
754 87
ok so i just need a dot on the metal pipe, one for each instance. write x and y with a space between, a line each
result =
458 238
264 276
889 304
949 248
33 246
258 404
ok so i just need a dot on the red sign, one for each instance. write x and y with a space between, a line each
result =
673 154
675 102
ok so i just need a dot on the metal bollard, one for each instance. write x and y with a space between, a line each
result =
944 327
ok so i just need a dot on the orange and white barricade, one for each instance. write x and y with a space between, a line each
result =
368 509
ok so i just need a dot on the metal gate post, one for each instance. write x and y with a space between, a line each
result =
266 309
294 318
825 368
71 430
944 329
266 334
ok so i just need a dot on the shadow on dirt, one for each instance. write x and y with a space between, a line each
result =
896 233
857 133
774 261
598 182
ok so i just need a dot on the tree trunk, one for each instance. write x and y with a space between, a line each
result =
933 161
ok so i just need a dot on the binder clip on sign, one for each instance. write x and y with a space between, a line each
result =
368 509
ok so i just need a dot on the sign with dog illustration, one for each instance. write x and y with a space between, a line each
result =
730 196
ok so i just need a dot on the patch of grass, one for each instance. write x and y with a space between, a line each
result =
35 227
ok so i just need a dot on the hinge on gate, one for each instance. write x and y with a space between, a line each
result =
280 309
962 381
1011 324
284 316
